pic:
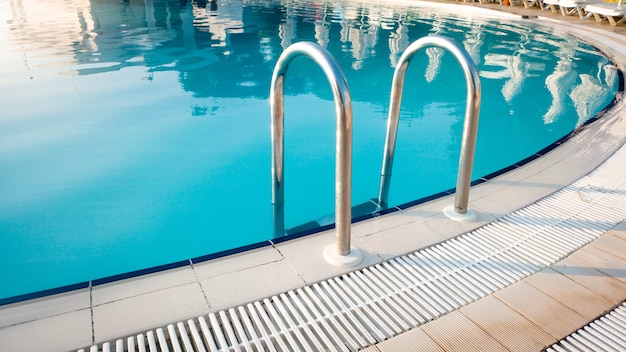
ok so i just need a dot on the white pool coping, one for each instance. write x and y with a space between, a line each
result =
80 318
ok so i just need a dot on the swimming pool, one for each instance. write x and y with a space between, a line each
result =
137 134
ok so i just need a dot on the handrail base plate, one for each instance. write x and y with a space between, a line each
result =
469 215
347 261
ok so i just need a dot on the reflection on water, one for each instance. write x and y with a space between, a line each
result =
587 96
558 82
208 43
398 42
562 79
132 126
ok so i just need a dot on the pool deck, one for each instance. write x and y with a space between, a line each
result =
528 315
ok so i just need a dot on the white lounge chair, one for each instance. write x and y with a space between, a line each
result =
571 7
615 13
530 3
553 5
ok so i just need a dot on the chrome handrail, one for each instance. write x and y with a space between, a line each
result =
343 163
470 125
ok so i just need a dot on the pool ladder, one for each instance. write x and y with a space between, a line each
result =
470 125
343 253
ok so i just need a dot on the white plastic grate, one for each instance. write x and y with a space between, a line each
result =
358 309
607 333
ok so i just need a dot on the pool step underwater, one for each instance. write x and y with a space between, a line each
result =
358 211
607 333
367 306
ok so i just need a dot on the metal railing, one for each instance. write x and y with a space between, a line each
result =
343 253
470 126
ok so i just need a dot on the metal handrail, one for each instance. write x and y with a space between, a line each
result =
343 164
470 125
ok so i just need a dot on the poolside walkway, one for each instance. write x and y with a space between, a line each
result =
520 283
524 310
545 307
534 313
540 310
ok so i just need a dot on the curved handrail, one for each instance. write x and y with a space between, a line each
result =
470 125
343 164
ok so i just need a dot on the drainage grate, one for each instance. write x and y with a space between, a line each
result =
370 305
605 334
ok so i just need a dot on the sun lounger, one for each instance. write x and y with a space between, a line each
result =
553 5
615 13
530 3
571 7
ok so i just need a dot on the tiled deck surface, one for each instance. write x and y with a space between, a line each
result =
528 315
535 312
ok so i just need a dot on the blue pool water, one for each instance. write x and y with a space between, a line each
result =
135 134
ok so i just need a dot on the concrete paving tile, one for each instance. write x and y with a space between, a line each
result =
619 231
306 256
401 240
610 288
543 310
583 153
570 293
602 261
612 243
504 324
382 223
535 180
501 196
60 333
415 340
456 332
429 209
21 312
496 210
232 289
139 285
449 228
233 263
140 313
